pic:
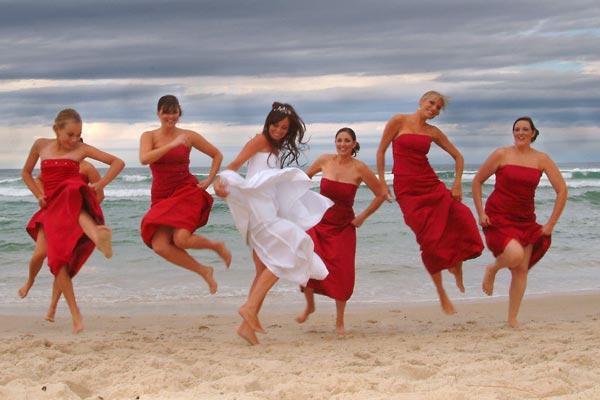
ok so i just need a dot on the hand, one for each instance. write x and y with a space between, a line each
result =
183 139
220 188
547 229
203 184
456 192
484 220
386 192
357 221
98 188
42 201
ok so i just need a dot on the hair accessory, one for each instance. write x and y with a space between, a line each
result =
283 109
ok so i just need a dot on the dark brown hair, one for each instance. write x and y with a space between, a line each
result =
350 132
533 128
169 104
291 145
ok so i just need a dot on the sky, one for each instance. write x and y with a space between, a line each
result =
339 62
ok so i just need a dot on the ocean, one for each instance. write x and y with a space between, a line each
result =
388 263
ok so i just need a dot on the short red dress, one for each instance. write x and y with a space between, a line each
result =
445 228
511 210
177 201
67 194
335 241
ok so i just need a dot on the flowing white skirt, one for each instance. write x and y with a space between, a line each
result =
273 209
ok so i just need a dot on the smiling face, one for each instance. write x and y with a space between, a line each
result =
68 134
168 118
344 144
430 106
278 130
523 133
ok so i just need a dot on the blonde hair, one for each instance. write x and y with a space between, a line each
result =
433 93
66 115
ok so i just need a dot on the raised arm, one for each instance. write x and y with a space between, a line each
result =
92 175
378 190
487 169
204 146
148 155
115 166
26 172
459 163
560 187
316 166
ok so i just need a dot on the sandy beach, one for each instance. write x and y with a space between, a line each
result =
397 351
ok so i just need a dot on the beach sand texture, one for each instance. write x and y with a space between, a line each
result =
394 351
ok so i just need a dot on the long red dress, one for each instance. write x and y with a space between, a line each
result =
335 241
177 201
445 228
511 210
67 193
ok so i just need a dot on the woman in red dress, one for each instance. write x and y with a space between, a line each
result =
180 204
90 175
508 221
70 218
335 236
445 228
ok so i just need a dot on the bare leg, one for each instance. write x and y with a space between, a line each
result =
35 263
518 284
101 235
340 307
309 294
161 244
510 258
445 302
53 302
244 329
185 240
65 285
249 310
458 276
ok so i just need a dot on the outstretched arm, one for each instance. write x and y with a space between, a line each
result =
26 172
378 190
560 187
389 133
459 163
254 145
203 145
487 169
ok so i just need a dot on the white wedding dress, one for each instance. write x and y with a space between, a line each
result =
272 208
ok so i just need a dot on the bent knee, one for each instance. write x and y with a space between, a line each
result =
181 238
160 247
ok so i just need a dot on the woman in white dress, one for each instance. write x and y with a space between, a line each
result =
273 207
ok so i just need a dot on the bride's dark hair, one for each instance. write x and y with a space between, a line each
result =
291 145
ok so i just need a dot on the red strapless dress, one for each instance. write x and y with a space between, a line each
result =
335 241
177 201
445 228
67 193
511 210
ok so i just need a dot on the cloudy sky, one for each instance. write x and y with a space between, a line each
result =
339 62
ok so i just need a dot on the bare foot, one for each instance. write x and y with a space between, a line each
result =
304 316
77 324
105 241
488 280
513 323
25 289
246 333
224 253
251 318
340 330
50 315
458 276
207 274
